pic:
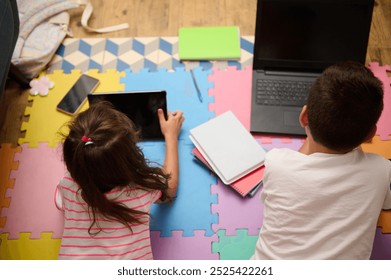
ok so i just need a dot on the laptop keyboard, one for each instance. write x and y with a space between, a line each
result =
282 93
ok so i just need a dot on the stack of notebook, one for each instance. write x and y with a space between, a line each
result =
224 146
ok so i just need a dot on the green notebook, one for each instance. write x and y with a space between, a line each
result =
209 43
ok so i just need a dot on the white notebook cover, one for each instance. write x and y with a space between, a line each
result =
228 147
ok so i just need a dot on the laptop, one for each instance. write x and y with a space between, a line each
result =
295 40
140 106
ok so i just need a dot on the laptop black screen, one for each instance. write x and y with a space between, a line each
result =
141 107
311 34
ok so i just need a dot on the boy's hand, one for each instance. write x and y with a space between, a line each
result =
172 126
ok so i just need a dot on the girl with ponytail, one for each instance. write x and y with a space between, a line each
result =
109 186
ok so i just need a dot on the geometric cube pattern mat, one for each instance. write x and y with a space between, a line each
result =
152 53
207 220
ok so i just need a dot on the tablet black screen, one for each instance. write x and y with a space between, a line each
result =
140 106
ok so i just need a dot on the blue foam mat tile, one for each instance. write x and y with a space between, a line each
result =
181 92
191 209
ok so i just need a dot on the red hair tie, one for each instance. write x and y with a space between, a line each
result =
87 140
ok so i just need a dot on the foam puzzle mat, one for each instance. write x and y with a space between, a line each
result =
207 220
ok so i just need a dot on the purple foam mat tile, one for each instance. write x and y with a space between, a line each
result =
236 212
178 247
381 246
278 142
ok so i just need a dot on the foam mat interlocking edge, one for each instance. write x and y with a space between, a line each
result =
384 124
8 164
25 248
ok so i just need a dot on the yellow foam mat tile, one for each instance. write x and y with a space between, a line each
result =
7 164
377 146
385 221
25 248
109 81
45 120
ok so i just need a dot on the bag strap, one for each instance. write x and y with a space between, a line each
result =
87 14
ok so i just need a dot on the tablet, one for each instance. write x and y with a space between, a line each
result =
140 106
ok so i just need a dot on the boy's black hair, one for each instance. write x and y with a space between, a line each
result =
344 105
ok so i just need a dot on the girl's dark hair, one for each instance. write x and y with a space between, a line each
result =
344 105
112 160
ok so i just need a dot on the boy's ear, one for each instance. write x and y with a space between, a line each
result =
303 118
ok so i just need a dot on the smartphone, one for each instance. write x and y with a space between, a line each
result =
77 95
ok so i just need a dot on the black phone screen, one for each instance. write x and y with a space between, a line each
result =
76 96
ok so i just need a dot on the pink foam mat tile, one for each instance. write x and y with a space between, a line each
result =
384 123
232 91
178 247
32 207
236 212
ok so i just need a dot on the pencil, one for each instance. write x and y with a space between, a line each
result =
196 85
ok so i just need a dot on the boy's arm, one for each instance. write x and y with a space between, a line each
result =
170 129
387 201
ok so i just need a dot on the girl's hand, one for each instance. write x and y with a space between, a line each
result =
172 126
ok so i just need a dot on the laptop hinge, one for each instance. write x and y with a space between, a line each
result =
291 74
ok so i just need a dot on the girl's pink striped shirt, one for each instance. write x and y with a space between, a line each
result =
114 241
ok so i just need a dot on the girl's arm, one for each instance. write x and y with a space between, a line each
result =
170 129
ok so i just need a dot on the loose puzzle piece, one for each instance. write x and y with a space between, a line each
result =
381 246
24 248
7 154
32 207
191 209
181 93
45 120
41 85
235 211
238 247
384 124
177 247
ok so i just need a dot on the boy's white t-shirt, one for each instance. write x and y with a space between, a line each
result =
322 206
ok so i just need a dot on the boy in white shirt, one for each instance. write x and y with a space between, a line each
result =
323 202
